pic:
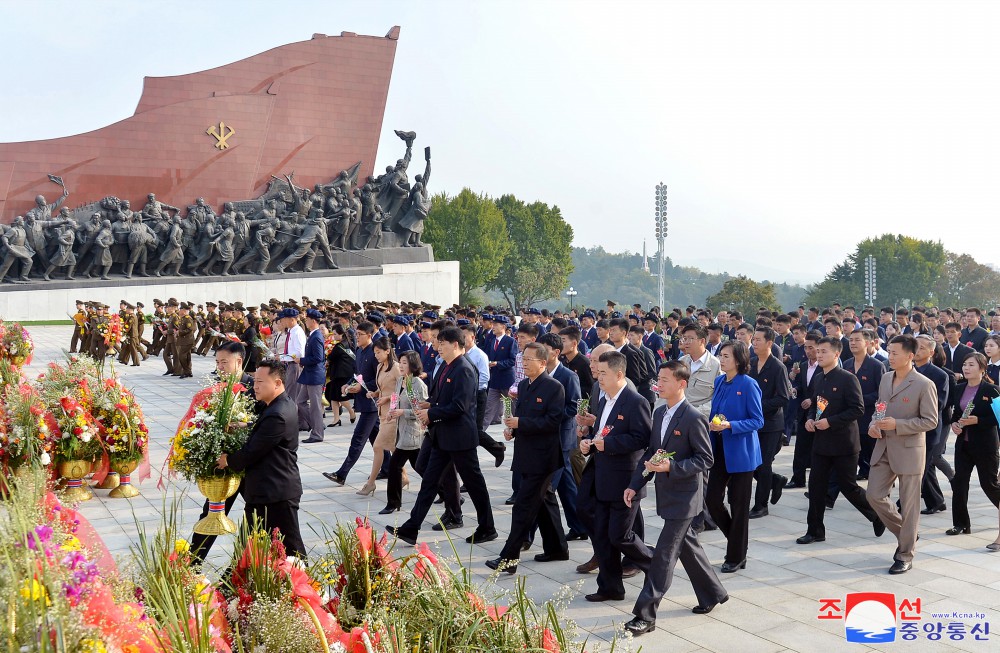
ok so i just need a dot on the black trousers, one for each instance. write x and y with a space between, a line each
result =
614 537
981 455
845 468
586 505
467 464
867 447
736 525
281 515
677 541
535 501
202 544
448 487
770 445
394 493
802 456
930 489
366 428
485 441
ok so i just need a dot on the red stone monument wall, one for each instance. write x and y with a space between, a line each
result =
314 107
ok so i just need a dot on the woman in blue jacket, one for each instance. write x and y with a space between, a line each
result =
736 415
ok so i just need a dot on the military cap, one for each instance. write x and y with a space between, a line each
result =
172 299
401 320
486 317
314 314
172 302
611 303
211 304
430 315
129 306
140 305
80 301
502 319
238 306
616 314
534 311
589 313
288 312
157 302
376 317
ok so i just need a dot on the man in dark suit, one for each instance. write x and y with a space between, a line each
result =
451 417
769 373
637 369
936 438
588 330
954 351
616 441
833 416
869 373
272 486
803 379
312 378
572 359
535 428
651 339
502 353
681 430
973 332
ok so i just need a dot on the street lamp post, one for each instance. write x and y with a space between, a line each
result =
661 234
571 294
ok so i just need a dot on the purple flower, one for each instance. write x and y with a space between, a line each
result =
39 536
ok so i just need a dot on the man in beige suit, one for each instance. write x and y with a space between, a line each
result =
704 368
911 410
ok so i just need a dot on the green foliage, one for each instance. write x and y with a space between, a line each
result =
967 283
468 228
745 295
540 261
907 272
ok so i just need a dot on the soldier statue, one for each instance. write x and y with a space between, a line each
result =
15 246
412 222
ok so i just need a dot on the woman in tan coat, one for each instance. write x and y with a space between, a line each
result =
386 377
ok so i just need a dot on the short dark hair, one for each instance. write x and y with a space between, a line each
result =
559 323
614 360
234 348
798 327
832 320
619 322
551 340
714 326
603 324
835 343
740 354
908 342
699 331
767 332
413 362
783 318
571 332
867 334
814 336
275 368
636 329
953 325
440 325
679 370
453 335
365 327
529 329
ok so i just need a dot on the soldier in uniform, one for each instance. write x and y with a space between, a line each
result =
140 318
130 343
98 348
169 328
158 315
184 340
79 327
213 322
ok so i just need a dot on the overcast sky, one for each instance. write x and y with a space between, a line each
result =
786 131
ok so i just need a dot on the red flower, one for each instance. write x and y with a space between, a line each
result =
549 642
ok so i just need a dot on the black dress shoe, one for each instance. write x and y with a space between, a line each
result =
311 439
597 597
809 539
409 539
732 567
546 557
525 545
776 489
509 566
388 510
439 500
628 571
879 527
499 452
862 477
339 480
575 535
792 485
462 490
935 509
900 567
959 530
829 503
705 609
167 374
480 538
448 523
588 566
757 512
640 626
510 500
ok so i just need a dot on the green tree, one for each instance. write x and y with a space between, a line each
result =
967 283
540 261
470 229
907 272
743 294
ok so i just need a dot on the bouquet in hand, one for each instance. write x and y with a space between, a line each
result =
968 410
719 419
508 407
412 396
821 404
393 402
359 380
879 411
582 406
605 432
657 458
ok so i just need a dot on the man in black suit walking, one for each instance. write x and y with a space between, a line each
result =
535 429
954 351
769 373
451 417
681 430
833 418
615 444
272 486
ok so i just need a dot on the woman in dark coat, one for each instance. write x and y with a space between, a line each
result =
339 371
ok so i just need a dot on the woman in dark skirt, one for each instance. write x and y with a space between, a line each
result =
339 371
249 337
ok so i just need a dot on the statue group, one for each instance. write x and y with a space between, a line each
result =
284 230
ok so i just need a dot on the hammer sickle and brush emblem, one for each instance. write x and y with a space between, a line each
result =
221 134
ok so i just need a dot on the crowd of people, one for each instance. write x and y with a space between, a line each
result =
597 403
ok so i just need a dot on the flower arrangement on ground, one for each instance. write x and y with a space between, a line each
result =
25 435
16 345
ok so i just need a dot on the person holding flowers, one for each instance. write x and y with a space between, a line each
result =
679 453
386 377
411 392
737 413
272 486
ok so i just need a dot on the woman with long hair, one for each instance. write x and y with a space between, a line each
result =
409 431
339 370
976 442
992 350
737 413
386 377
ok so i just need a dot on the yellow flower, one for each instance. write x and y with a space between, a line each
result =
181 546
71 543
203 591
92 646
32 590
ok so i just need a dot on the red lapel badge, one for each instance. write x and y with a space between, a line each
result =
906 400
447 380
538 400
864 378
739 394
621 417
677 432
834 389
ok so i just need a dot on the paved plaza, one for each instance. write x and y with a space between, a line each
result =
774 603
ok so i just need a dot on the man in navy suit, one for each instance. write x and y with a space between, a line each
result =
954 351
973 332
403 341
619 434
588 331
535 428
502 353
651 339
312 378
681 430
869 373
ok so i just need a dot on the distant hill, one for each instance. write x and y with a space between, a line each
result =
599 276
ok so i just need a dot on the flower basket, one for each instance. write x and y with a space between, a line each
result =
123 470
217 489
72 472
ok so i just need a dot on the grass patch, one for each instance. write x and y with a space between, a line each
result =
45 322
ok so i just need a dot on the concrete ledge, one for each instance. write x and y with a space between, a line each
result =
433 282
